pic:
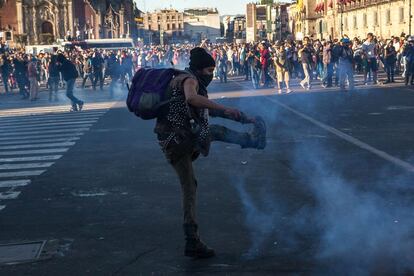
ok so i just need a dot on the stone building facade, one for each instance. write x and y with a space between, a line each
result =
267 20
354 18
166 24
235 28
202 23
45 21
170 25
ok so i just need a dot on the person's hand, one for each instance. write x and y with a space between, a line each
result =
234 113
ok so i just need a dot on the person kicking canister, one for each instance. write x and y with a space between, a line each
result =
184 133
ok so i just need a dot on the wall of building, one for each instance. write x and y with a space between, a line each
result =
383 18
205 26
8 17
251 29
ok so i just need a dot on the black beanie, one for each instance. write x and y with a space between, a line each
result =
200 59
60 58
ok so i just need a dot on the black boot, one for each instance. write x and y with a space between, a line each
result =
257 138
259 133
194 247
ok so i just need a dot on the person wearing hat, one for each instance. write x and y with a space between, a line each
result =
184 133
345 63
69 73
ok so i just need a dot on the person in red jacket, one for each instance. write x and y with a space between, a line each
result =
264 61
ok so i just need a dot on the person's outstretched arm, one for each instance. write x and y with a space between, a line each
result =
192 98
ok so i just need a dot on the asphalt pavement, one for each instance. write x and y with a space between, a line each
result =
331 194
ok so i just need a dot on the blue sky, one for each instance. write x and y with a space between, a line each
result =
224 6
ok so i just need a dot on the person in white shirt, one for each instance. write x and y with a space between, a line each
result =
369 50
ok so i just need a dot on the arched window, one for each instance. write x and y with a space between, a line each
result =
47 28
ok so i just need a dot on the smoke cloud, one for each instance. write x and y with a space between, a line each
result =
354 228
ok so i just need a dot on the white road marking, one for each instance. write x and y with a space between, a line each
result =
39 130
47 145
44 124
396 161
25 166
41 136
14 183
400 107
31 158
44 131
25 152
9 195
381 154
52 109
38 141
44 128
37 118
21 173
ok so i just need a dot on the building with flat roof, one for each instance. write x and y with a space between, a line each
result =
202 23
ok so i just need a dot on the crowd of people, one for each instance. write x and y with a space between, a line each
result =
329 62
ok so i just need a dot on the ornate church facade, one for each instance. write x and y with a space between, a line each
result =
46 21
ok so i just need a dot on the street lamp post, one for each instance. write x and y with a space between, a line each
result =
409 17
342 18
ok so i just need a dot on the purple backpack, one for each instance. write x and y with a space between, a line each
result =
148 91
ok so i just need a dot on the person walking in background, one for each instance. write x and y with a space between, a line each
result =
390 58
114 71
97 69
222 64
346 59
253 58
328 67
20 70
33 79
70 74
282 68
5 70
87 70
54 76
369 49
408 55
264 62
306 54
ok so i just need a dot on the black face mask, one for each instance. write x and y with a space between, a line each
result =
205 80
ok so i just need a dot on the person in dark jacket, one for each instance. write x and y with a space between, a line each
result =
5 70
390 58
345 62
97 69
114 71
54 76
20 70
408 54
69 74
